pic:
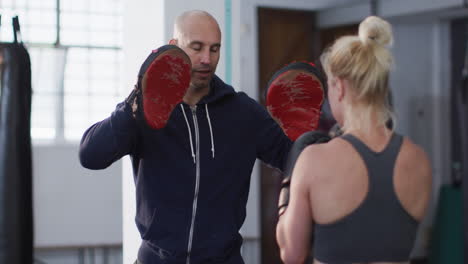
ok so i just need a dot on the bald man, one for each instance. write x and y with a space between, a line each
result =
192 176
198 34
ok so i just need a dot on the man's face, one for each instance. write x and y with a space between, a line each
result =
201 40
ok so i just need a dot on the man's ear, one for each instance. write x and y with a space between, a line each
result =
173 41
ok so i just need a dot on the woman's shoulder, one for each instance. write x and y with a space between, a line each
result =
413 151
414 157
322 159
332 150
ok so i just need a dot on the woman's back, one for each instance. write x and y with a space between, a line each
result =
361 195
341 196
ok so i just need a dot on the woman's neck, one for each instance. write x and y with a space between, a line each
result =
364 120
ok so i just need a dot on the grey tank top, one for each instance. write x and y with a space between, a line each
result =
380 229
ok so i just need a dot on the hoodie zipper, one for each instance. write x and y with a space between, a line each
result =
197 182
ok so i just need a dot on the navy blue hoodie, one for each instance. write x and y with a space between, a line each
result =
192 177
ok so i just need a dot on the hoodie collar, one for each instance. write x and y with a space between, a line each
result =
218 90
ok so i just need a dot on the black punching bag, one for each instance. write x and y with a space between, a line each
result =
462 106
16 211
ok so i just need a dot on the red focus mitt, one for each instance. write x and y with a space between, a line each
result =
294 98
163 81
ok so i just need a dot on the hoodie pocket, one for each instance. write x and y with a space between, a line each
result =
146 222
148 236
156 227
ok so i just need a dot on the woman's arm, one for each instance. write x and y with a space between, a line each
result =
294 229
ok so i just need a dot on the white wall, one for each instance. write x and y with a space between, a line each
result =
74 206
144 24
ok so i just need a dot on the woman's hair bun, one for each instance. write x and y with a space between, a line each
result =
374 30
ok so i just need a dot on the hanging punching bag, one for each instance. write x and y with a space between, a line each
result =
463 115
450 223
16 219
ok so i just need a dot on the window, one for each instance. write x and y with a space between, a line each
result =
91 88
76 61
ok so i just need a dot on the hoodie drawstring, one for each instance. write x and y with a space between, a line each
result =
190 133
211 130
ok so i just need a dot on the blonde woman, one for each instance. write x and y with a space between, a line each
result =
361 196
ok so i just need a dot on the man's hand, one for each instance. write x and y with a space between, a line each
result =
163 81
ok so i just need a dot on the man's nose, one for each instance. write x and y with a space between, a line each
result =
205 57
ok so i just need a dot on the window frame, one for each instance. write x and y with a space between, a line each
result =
59 109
